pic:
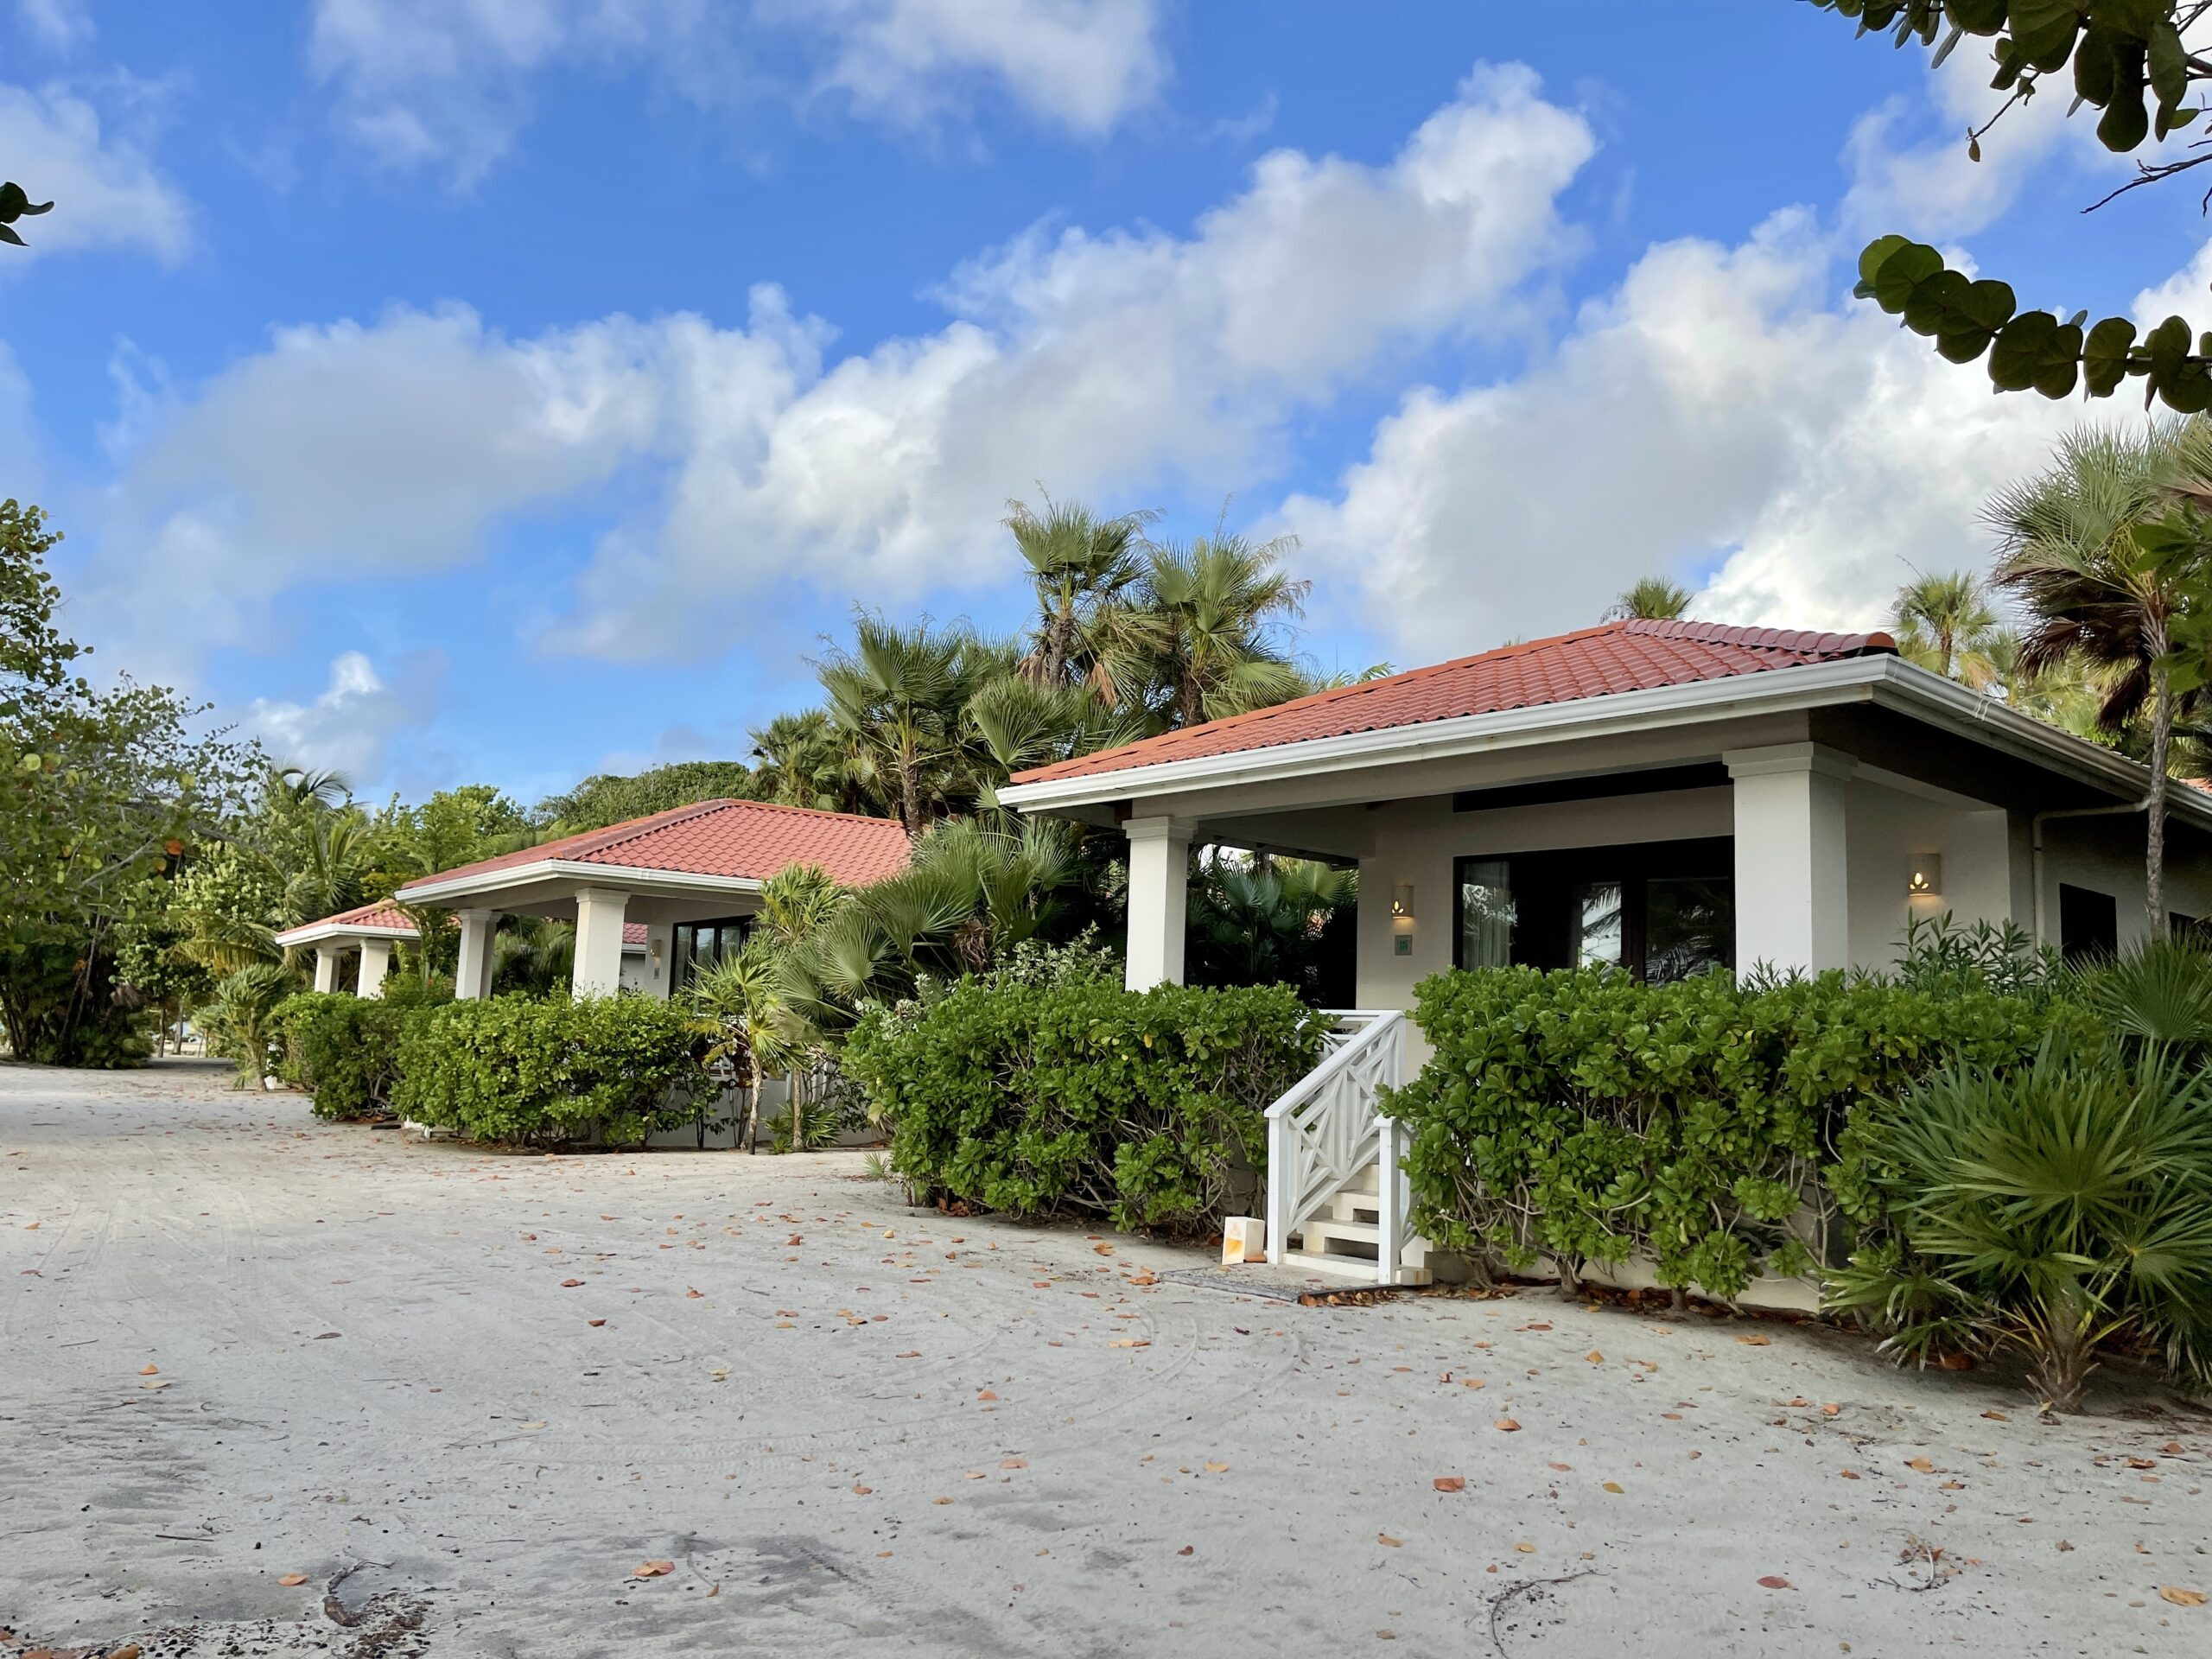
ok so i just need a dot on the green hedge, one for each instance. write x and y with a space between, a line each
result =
342 1049
1587 1117
535 1071
1084 1098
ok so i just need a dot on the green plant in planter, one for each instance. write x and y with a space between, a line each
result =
2063 1208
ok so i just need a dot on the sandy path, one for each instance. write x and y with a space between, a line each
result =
789 1434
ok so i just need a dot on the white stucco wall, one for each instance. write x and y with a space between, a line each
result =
1886 828
2106 855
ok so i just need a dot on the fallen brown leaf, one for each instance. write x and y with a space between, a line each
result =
1753 1341
1996 1416
1450 1483
1188 1550
2179 1596
1773 1581
1387 1541
290 1578
594 1322
653 1569
1612 1486
1506 1425
1594 1357
570 1284
149 1370
1921 1464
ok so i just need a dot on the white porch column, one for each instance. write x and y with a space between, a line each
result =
1159 892
472 976
1793 906
325 966
598 941
376 962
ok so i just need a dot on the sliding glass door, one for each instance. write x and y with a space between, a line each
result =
1662 910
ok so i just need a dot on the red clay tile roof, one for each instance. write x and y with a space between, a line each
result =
1614 657
746 840
634 934
380 914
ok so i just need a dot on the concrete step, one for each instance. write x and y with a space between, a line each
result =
1351 1267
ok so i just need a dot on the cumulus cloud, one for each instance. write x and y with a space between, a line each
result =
112 195
349 726
432 83
1717 411
1102 362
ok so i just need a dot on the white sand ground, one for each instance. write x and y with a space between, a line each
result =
857 1428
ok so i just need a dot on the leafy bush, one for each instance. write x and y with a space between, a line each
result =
2058 1208
520 1068
1703 1125
1084 1098
343 1050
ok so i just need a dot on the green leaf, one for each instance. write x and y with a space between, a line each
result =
2104 356
2036 350
1897 274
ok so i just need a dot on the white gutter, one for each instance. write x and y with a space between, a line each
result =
1879 678
441 893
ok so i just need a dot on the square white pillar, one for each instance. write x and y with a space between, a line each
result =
376 962
1793 898
1159 894
471 977
598 941
325 967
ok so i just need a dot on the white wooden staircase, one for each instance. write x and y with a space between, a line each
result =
1334 1183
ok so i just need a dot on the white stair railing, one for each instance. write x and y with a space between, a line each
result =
1328 1128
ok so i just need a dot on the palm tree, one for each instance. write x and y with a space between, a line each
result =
2100 594
1650 598
896 697
1946 623
1082 568
802 763
1206 619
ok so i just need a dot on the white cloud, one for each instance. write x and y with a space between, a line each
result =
106 193
1081 64
60 25
1101 363
449 83
1716 410
349 727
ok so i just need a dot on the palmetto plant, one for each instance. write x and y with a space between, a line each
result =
1946 623
1084 569
2061 1208
2099 591
237 1021
1651 599
1206 624
2157 994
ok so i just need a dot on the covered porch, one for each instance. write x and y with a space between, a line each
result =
679 889
367 934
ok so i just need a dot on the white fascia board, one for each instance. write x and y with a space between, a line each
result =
1882 679
315 931
447 893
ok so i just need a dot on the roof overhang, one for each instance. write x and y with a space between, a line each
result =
1883 680
488 884
315 933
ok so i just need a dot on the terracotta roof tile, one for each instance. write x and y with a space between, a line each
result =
382 914
1615 656
745 840
633 935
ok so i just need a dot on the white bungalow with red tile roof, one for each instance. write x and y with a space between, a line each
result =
691 878
371 931
1664 796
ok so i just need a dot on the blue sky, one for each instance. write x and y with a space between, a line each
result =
504 389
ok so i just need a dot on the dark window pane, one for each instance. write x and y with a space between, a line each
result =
1597 918
2088 923
1486 913
1689 926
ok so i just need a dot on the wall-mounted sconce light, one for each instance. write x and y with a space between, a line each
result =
653 949
1926 879
1401 902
